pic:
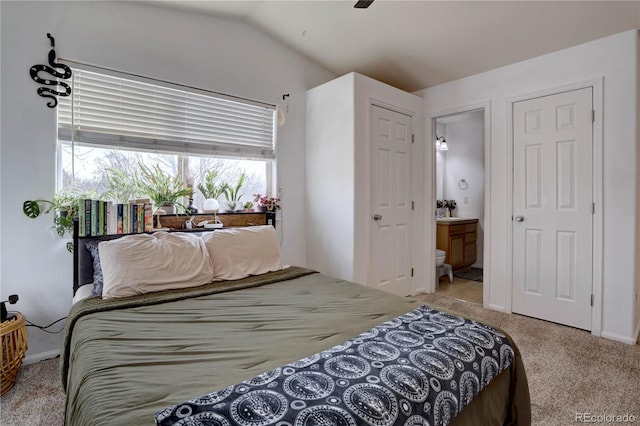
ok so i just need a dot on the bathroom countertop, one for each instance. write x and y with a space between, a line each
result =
453 219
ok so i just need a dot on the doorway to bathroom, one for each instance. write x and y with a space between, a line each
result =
460 204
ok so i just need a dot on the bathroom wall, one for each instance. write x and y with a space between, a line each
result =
464 134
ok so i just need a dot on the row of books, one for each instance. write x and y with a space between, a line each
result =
99 217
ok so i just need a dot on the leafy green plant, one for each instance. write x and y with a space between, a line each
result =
64 204
210 188
233 194
162 188
122 187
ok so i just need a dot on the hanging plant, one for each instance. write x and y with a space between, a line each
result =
64 205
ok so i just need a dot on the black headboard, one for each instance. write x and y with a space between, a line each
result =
83 262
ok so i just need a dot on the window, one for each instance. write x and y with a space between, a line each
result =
110 124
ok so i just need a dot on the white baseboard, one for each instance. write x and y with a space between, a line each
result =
419 290
637 334
497 308
31 359
619 337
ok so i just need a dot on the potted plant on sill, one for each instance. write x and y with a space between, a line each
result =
122 186
266 202
164 190
248 206
211 190
233 193
64 204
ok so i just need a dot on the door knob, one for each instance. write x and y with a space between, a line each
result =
377 217
519 218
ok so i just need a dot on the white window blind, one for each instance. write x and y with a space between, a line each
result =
112 111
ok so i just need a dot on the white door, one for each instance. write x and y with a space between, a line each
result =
553 207
391 180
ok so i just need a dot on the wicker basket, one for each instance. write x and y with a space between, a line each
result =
14 346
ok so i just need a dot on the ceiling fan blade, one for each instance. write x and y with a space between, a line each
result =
363 4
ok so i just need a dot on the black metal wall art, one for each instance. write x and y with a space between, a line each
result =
47 92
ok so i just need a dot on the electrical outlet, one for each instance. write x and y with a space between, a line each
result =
466 200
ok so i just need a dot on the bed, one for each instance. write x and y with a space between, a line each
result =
134 360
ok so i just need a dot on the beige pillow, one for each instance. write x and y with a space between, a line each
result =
239 252
143 263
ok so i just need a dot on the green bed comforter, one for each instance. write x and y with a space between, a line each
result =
125 359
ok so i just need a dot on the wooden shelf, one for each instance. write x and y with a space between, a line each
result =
178 222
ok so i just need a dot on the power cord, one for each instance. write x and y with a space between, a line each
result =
44 328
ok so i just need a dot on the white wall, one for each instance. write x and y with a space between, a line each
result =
614 59
465 160
330 170
218 54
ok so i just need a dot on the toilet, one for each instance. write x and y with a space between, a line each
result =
441 267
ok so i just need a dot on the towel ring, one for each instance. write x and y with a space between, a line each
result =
463 184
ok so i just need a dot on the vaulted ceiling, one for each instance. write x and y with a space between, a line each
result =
417 44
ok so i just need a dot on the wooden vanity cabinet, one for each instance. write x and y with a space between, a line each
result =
458 239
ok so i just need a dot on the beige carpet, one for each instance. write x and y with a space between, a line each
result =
569 372
37 398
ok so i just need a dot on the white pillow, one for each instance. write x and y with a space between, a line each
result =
143 263
83 292
239 252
